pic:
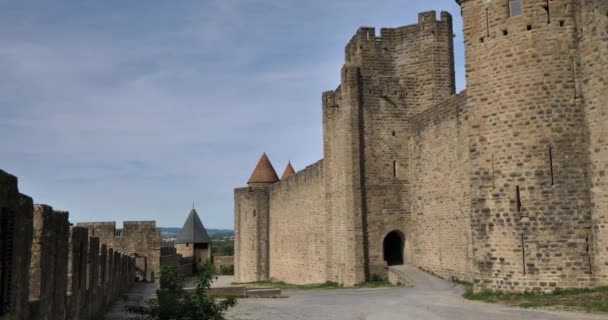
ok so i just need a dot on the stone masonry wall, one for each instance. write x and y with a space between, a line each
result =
297 227
504 184
403 72
139 239
592 23
55 273
531 215
16 228
342 175
251 211
49 264
440 227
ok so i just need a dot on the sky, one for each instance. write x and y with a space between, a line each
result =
135 110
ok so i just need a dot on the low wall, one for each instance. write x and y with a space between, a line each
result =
222 261
175 261
140 239
72 275
49 271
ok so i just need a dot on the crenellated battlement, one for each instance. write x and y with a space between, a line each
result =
428 25
508 176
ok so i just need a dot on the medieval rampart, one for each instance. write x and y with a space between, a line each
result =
51 270
297 213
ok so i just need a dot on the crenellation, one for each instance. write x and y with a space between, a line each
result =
502 184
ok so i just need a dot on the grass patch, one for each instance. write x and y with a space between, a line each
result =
375 281
588 300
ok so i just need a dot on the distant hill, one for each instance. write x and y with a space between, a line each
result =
173 232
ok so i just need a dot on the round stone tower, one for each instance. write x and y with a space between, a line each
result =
530 195
251 219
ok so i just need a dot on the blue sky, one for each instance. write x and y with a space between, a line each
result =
135 110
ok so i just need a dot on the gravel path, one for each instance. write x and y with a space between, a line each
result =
431 299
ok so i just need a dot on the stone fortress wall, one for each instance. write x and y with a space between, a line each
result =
503 184
296 243
139 239
50 269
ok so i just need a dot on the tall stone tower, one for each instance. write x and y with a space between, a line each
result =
387 77
252 208
531 215
592 25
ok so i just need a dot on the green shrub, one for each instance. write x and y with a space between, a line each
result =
174 303
227 270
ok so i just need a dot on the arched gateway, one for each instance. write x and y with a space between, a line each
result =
393 248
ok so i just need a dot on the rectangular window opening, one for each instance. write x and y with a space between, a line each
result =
515 8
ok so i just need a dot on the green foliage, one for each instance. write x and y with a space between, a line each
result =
583 299
376 278
222 247
174 303
227 270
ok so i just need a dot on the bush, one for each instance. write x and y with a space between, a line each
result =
227 270
174 303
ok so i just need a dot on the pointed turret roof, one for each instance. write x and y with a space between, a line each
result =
289 171
263 172
193 230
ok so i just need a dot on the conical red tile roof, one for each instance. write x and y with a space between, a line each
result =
263 172
288 171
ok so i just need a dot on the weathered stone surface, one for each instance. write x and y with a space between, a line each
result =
49 270
503 184
139 239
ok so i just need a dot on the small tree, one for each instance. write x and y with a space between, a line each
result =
174 303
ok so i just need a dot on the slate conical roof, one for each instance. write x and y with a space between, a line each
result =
289 171
263 172
193 230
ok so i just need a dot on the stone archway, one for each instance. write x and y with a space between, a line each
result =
393 246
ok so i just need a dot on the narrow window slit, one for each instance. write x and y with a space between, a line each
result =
394 133
394 169
487 22
551 165
523 254
493 179
588 254
505 32
562 23
517 194
529 27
